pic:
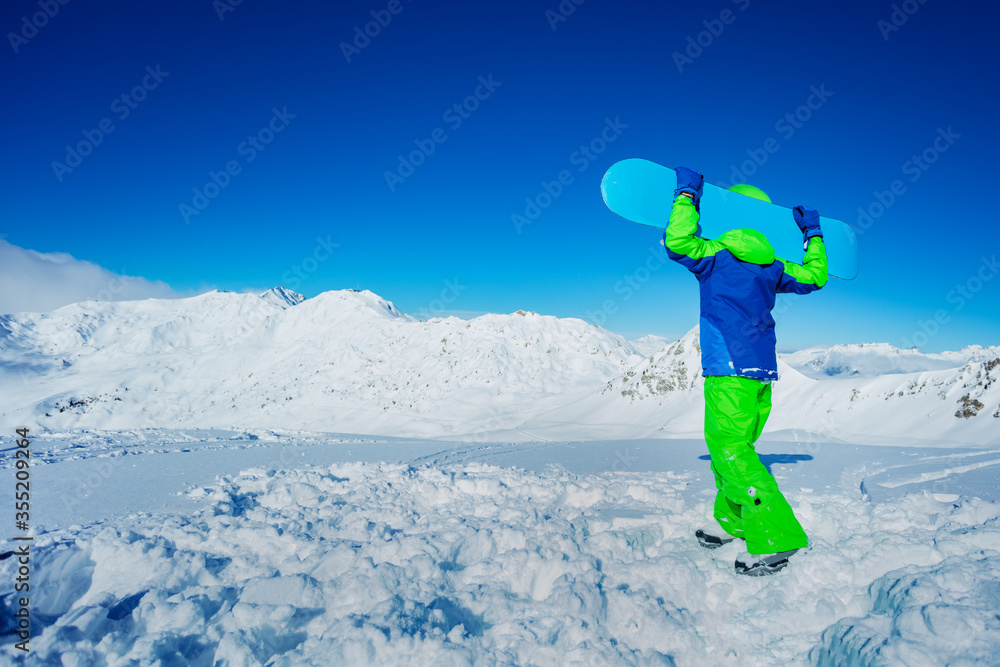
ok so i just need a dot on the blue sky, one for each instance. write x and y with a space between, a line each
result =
301 131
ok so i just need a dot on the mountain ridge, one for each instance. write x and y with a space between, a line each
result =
351 361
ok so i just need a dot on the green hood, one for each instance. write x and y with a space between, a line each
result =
748 245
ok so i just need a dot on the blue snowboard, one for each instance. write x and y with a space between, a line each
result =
643 192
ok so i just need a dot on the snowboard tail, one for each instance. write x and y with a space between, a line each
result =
643 192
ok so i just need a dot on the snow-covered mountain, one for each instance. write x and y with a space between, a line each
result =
960 404
662 396
282 298
350 361
650 345
672 369
344 360
870 359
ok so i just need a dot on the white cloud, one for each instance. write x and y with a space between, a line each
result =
39 282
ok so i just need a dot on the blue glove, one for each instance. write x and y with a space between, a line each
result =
808 221
689 181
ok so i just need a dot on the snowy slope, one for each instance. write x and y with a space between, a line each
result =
283 298
312 549
962 405
350 361
558 533
675 368
662 395
347 361
649 345
870 359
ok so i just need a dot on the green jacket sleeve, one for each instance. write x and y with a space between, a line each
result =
682 241
809 276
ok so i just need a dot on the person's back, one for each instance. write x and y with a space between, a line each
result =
739 277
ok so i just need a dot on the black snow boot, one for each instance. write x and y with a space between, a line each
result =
758 565
713 539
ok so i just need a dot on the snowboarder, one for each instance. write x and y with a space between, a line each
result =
739 277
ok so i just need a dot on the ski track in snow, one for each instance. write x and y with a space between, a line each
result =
938 474
444 558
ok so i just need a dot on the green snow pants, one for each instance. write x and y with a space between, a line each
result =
748 503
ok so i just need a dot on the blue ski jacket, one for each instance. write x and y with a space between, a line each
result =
739 277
